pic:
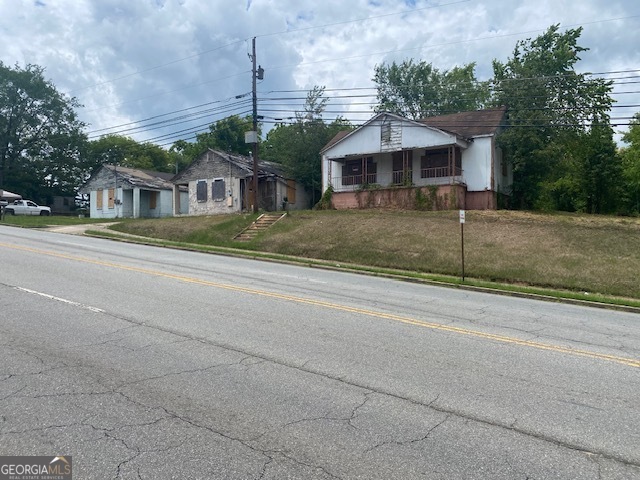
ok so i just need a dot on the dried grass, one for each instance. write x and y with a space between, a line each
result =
596 254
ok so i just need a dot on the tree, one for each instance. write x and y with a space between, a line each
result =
297 146
550 108
126 152
419 90
631 167
226 135
41 139
588 178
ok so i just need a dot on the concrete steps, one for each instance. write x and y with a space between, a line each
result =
262 223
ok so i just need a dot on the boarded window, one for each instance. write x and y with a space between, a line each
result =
153 200
217 190
99 195
201 190
112 197
291 191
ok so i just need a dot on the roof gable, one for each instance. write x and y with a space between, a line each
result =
208 165
106 176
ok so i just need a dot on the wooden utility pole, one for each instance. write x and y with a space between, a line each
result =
254 197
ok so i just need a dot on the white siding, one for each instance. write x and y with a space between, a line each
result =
367 140
476 165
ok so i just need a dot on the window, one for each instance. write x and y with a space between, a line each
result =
153 200
99 195
112 197
360 171
201 190
217 189
385 132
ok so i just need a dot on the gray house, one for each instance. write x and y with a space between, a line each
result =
220 182
121 192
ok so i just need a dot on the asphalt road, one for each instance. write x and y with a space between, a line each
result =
151 363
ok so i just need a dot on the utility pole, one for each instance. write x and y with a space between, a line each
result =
254 198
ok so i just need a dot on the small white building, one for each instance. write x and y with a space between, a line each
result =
453 161
121 192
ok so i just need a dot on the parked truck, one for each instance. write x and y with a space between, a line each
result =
26 207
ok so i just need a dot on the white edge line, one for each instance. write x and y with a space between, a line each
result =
63 300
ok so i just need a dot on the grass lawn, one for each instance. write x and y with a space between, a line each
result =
583 253
38 221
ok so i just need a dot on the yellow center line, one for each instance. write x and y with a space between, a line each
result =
631 362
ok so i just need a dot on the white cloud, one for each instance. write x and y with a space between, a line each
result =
120 57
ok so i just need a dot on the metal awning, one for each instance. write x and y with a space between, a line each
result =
9 196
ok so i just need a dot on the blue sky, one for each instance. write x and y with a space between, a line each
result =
127 61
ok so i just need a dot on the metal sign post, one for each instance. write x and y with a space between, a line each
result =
462 219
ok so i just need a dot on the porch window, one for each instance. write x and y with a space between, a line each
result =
435 164
402 167
99 197
201 191
360 171
217 189
153 200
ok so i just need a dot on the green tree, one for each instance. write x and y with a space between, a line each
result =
419 90
550 108
588 177
226 135
631 166
41 139
126 152
297 146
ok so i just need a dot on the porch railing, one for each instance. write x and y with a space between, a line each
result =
438 172
428 176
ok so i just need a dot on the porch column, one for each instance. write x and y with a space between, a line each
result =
176 200
136 203
451 158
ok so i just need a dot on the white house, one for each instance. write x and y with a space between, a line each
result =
220 182
121 192
452 160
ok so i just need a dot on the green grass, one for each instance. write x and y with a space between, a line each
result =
588 256
38 221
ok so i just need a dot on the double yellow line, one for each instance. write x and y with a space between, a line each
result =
630 362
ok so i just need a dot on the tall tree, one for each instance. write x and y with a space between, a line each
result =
40 135
418 90
550 106
631 167
297 146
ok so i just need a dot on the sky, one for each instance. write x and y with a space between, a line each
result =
162 70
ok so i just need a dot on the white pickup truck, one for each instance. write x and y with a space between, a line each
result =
26 207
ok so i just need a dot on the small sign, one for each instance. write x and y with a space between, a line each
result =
462 212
